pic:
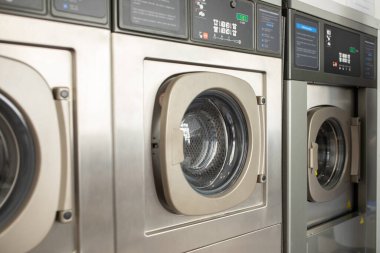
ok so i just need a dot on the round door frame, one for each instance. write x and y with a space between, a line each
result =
33 97
179 92
316 117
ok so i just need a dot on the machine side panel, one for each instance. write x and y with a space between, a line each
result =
367 187
295 164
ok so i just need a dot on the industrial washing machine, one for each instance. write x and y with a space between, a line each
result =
197 126
55 128
330 93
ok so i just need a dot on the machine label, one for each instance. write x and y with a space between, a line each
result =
91 8
24 4
268 29
223 22
342 51
160 16
306 43
369 59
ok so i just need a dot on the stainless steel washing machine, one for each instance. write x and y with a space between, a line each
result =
330 140
55 130
197 126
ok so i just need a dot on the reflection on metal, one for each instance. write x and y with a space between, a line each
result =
89 83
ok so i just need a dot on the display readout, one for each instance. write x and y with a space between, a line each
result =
306 43
342 51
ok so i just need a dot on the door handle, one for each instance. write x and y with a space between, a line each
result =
261 174
355 150
313 158
65 206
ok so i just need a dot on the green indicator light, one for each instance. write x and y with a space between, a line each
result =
352 50
242 17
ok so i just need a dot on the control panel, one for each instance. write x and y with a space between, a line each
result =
241 25
329 53
91 12
227 23
342 51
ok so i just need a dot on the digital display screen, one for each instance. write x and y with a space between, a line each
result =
342 51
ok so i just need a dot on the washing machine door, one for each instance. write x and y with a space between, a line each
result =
31 157
330 153
209 143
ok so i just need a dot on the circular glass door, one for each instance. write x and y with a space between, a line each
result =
17 160
331 153
215 142
329 143
208 142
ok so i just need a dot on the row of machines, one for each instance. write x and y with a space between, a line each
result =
186 126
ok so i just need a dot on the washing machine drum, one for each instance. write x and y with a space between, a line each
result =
17 160
330 152
209 142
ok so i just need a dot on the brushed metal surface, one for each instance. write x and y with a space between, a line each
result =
333 11
275 2
141 65
248 243
90 74
378 157
367 188
347 237
295 164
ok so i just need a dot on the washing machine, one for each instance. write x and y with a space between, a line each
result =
330 141
55 129
197 126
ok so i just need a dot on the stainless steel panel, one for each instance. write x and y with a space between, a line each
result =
295 164
275 2
367 188
91 76
142 223
377 161
251 242
343 98
334 12
345 237
61 238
